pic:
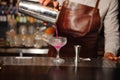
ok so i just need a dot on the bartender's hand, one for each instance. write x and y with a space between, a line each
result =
111 56
46 2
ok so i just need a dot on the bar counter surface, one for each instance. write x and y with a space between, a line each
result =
42 68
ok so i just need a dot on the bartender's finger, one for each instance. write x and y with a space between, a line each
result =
60 7
115 58
119 57
110 56
55 4
41 1
46 2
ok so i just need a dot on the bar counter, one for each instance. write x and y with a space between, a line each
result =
42 68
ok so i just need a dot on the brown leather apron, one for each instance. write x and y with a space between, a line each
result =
88 42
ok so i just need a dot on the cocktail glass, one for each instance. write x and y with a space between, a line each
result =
58 43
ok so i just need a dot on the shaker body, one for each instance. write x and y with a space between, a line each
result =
35 9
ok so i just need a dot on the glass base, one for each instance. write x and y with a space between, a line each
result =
58 61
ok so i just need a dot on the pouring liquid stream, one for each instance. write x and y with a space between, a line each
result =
56 31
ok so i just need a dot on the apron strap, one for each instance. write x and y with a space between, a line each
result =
97 3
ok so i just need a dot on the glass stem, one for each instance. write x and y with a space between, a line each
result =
58 53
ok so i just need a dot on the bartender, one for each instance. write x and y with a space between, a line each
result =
108 10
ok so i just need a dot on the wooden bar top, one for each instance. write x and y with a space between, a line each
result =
42 68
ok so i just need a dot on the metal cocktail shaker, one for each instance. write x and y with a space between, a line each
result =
35 9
